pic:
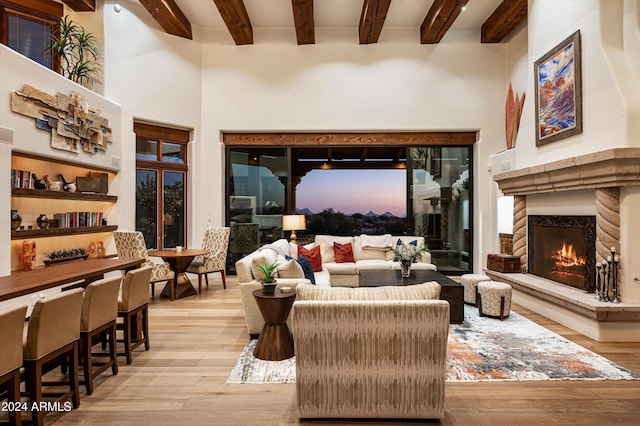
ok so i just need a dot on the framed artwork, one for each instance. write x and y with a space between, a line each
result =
558 85
435 162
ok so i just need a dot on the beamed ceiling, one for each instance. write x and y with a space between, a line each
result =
493 19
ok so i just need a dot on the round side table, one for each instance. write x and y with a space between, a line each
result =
276 341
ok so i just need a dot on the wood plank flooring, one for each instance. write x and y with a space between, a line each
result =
195 343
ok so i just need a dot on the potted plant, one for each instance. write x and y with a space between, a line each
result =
269 281
77 50
406 254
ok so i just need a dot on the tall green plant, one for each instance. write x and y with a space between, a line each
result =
78 51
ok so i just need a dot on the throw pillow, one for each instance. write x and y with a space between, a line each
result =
307 269
313 256
289 268
343 252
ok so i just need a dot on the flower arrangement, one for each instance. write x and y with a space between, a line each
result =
407 252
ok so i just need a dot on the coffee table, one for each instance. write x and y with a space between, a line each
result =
451 291
275 342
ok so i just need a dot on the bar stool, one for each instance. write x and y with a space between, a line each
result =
97 322
52 341
11 330
470 283
134 299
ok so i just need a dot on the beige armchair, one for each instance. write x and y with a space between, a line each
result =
11 326
216 240
372 357
131 245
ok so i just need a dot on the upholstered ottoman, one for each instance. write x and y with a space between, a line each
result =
495 299
470 283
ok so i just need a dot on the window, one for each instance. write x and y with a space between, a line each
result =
28 29
161 184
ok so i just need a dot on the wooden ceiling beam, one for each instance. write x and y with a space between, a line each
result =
81 5
169 16
235 16
303 19
374 12
439 19
506 18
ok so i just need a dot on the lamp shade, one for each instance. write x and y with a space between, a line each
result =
294 222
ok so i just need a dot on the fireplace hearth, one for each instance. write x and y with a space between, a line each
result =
563 249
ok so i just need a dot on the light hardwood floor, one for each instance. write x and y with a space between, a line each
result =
195 343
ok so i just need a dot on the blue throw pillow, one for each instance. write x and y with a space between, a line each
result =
307 269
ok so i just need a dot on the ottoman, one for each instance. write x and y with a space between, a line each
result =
470 283
495 299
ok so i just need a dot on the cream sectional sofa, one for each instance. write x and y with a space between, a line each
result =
370 252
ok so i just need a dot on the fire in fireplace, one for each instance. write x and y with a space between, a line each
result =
562 249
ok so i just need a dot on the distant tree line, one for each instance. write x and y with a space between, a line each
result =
331 222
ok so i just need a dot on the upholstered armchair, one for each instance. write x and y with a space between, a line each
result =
377 353
131 245
216 240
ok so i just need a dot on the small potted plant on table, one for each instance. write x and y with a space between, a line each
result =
269 280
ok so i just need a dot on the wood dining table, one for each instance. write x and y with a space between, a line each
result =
78 272
179 261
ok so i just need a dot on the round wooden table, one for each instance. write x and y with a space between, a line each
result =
275 342
178 261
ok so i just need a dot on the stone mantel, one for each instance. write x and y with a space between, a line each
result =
604 169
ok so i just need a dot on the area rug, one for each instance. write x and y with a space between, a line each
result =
479 349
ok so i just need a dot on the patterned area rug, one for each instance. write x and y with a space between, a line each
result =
480 349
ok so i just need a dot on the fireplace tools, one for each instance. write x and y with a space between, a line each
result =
607 278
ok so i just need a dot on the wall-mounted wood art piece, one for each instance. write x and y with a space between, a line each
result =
73 124
558 87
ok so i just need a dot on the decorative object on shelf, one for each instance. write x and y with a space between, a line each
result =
269 280
74 125
16 220
66 185
558 85
42 221
512 117
39 183
95 182
28 255
96 249
53 185
65 255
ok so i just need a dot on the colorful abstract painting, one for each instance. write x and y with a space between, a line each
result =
558 92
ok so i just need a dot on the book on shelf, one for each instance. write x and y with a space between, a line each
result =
78 219
20 179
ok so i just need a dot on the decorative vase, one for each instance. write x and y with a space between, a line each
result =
28 255
42 221
405 268
16 220
268 288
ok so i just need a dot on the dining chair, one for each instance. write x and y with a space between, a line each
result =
52 341
216 240
97 323
11 330
134 300
131 245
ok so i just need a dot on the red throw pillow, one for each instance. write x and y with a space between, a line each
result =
313 256
343 252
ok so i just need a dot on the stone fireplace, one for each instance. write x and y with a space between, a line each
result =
563 249
560 250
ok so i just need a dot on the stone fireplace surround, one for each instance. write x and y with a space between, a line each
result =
604 172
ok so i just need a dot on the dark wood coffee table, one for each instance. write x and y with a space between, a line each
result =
275 342
450 291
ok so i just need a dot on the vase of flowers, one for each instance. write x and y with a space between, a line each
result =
406 254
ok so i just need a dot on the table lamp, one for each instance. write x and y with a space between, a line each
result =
293 223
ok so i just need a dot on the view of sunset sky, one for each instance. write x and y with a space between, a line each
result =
353 191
